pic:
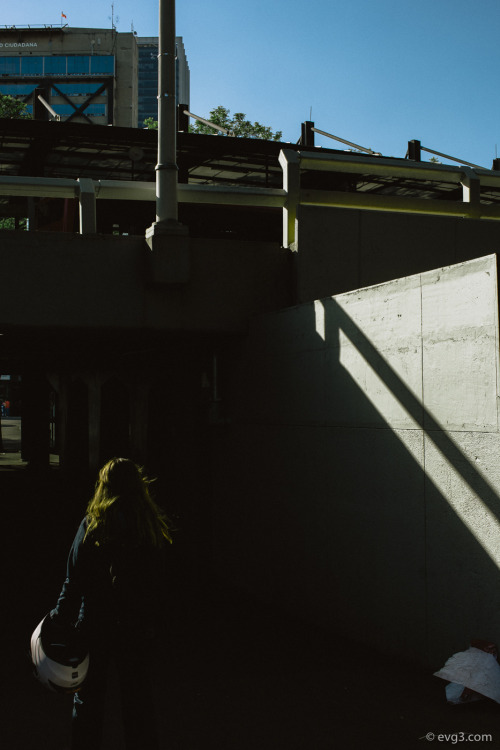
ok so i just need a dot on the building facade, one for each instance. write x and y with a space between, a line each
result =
78 75
148 76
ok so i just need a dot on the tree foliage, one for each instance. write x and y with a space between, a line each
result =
237 125
9 222
13 109
150 123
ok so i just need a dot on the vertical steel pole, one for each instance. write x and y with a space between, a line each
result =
166 169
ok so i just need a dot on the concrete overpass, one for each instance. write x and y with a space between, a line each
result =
236 369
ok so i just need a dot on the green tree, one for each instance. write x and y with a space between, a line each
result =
150 123
237 125
13 109
9 222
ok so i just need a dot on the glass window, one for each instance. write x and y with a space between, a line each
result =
62 109
102 64
10 66
31 66
55 65
96 109
76 89
78 65
16 89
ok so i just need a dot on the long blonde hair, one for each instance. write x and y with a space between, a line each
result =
122 486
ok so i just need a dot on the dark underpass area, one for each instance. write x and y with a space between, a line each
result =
231 674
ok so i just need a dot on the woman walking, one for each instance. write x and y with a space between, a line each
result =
114 592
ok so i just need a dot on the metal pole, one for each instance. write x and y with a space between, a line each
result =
166 169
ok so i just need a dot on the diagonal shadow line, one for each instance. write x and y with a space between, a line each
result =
337 318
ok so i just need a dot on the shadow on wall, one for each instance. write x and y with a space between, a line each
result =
370 517
460 503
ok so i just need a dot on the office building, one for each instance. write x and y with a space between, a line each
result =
78 75
148 76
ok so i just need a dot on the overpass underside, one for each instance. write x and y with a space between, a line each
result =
87 326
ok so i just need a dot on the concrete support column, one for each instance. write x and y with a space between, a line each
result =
62 421
74 424
471 187
290 164
35 447
95 385
87 201
139 421
56 426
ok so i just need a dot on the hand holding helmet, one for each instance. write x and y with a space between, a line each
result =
59 655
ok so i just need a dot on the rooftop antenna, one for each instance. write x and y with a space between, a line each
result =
112 17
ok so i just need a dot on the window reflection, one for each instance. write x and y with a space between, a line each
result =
57 65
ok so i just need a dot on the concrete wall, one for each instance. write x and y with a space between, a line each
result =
342 249
126 82
358 484
56 41
74 282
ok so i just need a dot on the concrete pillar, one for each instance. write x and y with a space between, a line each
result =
74 418
87 201
94 425
114 434
139 404
35 420
290 164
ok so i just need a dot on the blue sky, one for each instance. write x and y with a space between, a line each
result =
376 72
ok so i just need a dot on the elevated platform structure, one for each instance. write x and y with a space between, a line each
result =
325 357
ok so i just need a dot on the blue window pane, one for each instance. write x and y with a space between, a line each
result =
102 64
76 89
93 109
55 65
10 66
96 109
16 89
31 66
62 109
78 65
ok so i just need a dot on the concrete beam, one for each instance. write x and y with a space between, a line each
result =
400 204
87 204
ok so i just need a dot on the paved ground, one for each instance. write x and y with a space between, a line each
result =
231 676
272 685
10 453
11 434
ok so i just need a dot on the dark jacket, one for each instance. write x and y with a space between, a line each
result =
113 585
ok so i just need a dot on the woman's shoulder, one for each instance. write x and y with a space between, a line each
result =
82 529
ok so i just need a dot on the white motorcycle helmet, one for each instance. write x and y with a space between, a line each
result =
60 657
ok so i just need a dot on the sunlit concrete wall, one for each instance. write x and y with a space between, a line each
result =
358 484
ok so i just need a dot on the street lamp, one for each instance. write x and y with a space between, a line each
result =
166 237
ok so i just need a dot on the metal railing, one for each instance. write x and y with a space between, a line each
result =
471 179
